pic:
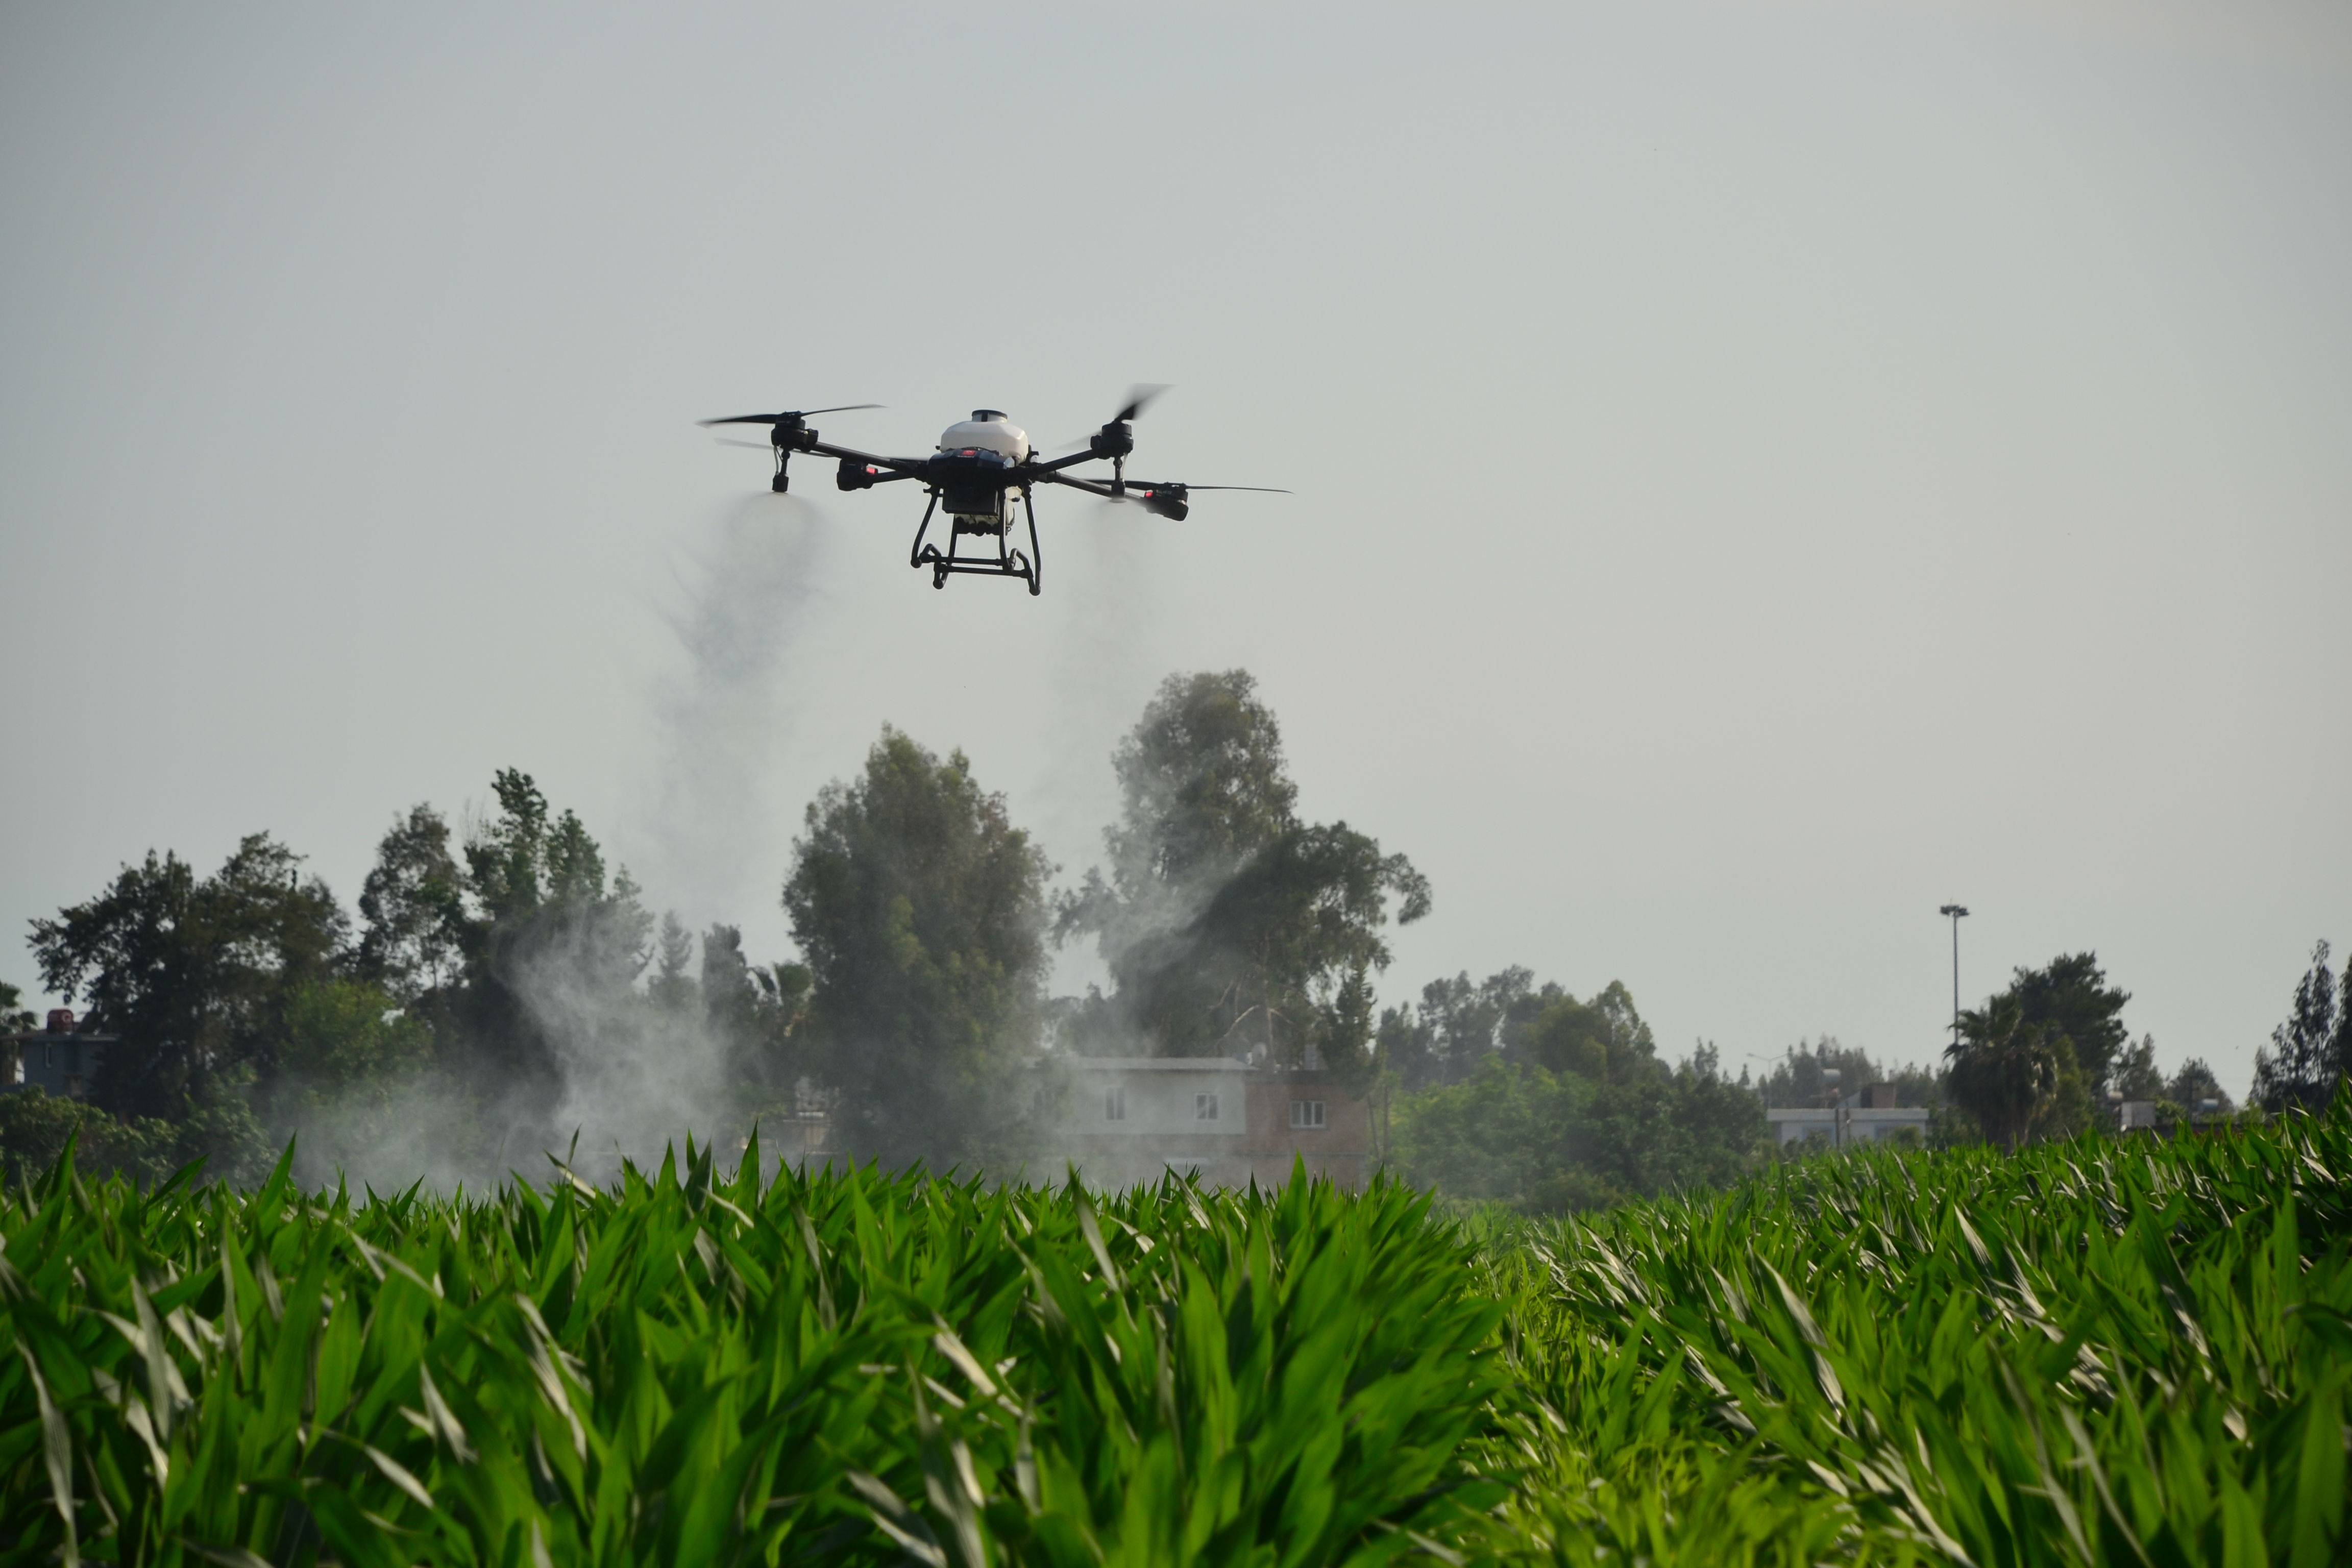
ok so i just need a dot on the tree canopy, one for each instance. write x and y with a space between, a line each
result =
1228 925
920 910
2311 1053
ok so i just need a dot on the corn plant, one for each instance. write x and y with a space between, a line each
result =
840 1367
2105 1352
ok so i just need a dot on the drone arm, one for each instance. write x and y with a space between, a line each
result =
900 467
1048 469
1092 487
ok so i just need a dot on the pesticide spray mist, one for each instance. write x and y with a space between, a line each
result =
631 1078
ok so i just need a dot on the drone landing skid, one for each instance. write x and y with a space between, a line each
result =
1007 562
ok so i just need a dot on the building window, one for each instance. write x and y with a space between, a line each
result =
1307 1113
1115 1104
1204 1108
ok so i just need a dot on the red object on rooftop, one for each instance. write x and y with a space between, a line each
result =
61 1021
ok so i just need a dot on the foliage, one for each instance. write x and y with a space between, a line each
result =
191 973
2310 1054
1545 1143
2069 998
2136 1075
14 1015
754 1013
1603 1039
920 910
2097 1352
1799 1080
1227 924
553 950
36 1129
837 1368
411 907
1458 1025
2005 1072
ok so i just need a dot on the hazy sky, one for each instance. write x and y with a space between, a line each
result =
1763 471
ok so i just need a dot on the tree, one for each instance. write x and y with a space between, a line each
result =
411 907
14 1017
2070 998
1227 924
1203 789
920 910
2134 1076
2004 1071
2311 1053
1459 1024
1603 1039
1281 957
1202 784
191 973
755 1014
1547 1142
1801 1077
2195 1084
673 991
552 949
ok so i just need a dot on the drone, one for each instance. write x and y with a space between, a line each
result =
985 470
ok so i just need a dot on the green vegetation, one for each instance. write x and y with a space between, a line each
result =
2096 1352
506 991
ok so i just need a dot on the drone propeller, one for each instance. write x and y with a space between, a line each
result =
791 416
747 446
1137 400
1174 500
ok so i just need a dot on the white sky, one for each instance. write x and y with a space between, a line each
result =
1763 471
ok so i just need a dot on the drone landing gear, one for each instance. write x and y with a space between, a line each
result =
1008 563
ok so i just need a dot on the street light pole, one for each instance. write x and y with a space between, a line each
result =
1955 913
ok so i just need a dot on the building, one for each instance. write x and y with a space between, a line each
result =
1135 1119
61 1059
1867 1116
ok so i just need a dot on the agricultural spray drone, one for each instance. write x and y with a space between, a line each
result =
983 468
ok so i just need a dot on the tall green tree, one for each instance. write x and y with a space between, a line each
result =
2310 1053
920 910
1226 923
1604 1039
757 1014
1459 1022
1203 788
2069 998
193 973
2134 1075
1281 958
553 946
2005 1071
411 911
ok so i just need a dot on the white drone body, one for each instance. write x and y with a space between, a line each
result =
988 430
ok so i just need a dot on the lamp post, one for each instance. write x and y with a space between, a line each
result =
1955 913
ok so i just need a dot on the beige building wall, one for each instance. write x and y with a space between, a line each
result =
1131 1120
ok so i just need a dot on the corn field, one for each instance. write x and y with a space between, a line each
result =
2101 1352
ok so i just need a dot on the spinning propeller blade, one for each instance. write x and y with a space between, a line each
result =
787 415
1139 398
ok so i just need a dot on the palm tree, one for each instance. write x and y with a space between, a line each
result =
2004 1071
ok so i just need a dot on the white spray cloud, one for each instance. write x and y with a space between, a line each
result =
717 830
